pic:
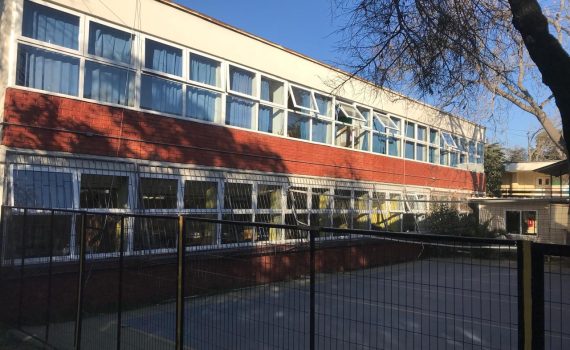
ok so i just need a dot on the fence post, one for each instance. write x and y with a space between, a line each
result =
180 286
22 258
537 290
50 268
79 316
312 235
120 291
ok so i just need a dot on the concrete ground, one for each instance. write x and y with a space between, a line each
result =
426 304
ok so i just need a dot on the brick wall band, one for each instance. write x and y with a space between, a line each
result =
45 122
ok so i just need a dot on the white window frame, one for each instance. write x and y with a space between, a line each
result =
343 106
313 109
254 84
223 67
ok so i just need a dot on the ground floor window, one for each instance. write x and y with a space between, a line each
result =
521 222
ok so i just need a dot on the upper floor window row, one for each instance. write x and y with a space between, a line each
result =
174 80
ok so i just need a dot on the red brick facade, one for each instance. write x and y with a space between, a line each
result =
44 122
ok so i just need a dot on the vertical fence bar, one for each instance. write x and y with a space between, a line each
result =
312 235
120 292
537 291
180 286
79 317
50 268
22 259
525 302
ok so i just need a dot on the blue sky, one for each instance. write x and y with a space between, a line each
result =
308 26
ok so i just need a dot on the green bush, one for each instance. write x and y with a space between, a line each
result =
445 220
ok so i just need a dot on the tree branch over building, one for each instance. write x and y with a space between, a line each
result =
454 50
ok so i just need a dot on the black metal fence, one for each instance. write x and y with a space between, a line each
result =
273 286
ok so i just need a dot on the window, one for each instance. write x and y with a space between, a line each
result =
521 222
200 233
268 197
104 191
394 146
203 104
346 113
158 193
302 99
420 152
46 70
235 233
200 194
108 84
237 196
341 199
239 112
298 126
155 233
324 105
297 198
433 137
205 70
109 43
241 81
448 140
272 91
422 133
410 130
163 58
161 95
409 150
320 198
379 143
50 25
432 156
382 121
270 119
268 233
42 189
321 131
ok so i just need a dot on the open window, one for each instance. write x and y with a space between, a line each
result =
346 113
386 122
448 140
302 99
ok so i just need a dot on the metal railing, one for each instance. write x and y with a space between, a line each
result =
323 288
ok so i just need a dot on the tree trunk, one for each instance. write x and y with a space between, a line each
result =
547 53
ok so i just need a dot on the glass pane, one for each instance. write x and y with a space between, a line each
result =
443 158
102 232
161 95
241 80
302 98
398 123
394 146
201 233
46 70
38 233
341 199
235 233
50 25
528 222
298 126
343 135
202 104
361 140
297 198
108 84
321 131
271 120
324 104
204 70
109 43
155 233
396 203
379 143
268 197
361 200
162 57
158 193
239 112
410 130
409 150
268 233
104 191
200 194
433 137
420 152
433 155
42 189
513 221
422 133
237 196
320 198
271 90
